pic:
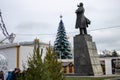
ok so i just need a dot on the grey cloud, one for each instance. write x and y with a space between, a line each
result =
33 27
107 39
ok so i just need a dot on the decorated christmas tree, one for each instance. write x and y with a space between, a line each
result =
61 44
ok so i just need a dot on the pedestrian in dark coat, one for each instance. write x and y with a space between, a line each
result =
15 74
1 75
9 77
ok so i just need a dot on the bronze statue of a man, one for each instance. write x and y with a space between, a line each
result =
81 21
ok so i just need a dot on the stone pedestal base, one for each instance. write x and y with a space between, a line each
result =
86 60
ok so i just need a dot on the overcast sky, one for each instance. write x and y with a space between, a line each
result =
29 19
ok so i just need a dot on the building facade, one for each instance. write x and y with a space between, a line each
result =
16 54
67 66
110 65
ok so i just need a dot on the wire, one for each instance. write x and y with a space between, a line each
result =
105 28
68 32
34 34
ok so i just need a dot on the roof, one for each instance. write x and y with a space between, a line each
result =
10 45
108 58
31 43
67 63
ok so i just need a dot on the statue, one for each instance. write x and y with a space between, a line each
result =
81 21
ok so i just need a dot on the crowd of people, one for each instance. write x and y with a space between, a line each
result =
11 75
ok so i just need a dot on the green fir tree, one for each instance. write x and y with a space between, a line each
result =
42 69
53 66
35 66
61 44
115 54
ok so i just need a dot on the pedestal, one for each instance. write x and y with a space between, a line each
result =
86 60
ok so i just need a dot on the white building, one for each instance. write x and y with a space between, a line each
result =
16 54
109 65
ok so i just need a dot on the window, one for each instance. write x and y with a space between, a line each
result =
64 69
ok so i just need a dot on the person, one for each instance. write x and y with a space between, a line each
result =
9 77
1 75
15 74
81 21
